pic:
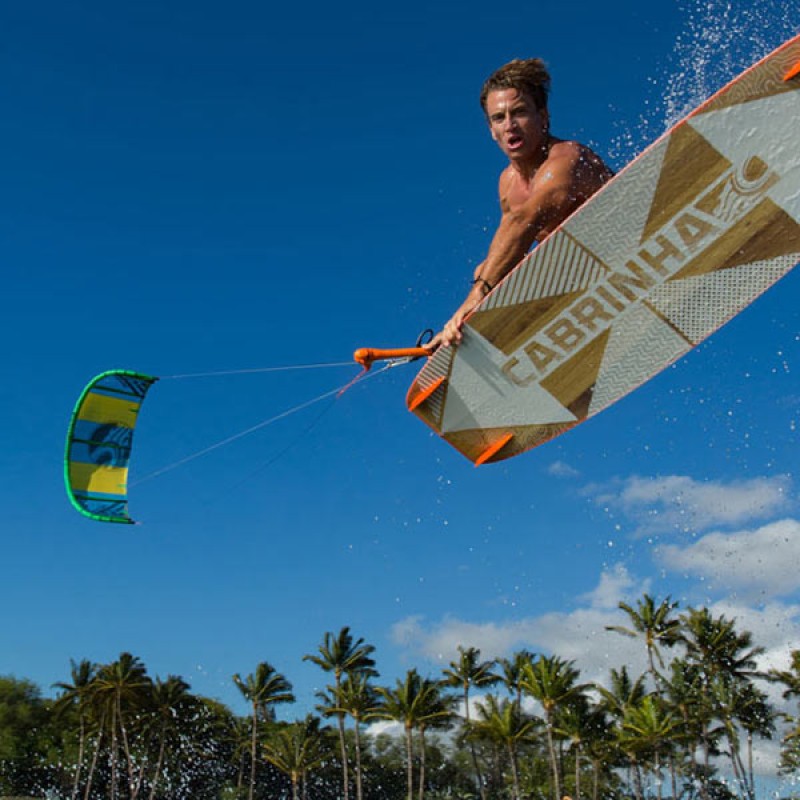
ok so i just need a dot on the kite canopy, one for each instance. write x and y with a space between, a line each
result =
99 444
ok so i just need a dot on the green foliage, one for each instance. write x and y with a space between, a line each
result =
114 732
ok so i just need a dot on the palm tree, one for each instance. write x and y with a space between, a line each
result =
583 725
263 689
171 701
416 703
647 730
296 749
77 694
724 659
790 678
743 708
341 655
465 673
512 673
552 682
434 710
502 722
622 693
121 688
358 699
716 646
98 715
236 734
685 696
656 625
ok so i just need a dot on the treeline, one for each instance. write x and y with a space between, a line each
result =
522 727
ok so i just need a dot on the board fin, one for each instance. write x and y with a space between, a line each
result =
425 393
793 72
493 449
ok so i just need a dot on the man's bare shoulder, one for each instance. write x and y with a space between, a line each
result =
575 153
584 166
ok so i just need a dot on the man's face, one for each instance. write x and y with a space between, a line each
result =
516 124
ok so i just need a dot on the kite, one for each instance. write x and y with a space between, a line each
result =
99 441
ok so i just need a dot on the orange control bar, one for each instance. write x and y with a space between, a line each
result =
367 356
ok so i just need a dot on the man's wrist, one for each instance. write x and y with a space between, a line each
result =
482 285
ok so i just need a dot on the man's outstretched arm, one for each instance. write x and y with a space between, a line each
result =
555 195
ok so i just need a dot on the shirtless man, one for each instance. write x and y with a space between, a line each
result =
546 179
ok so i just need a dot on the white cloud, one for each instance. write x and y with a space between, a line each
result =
579 635
680 503
616 584
385 727
759 563
559 469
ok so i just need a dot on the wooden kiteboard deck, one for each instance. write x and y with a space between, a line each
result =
684 238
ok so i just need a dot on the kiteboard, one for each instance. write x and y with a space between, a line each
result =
679 242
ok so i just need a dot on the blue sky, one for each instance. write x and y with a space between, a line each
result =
194 187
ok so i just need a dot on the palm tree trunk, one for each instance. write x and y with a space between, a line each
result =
653 672
551 748
421 762
253 753
409 763
495 777
658 775
93 766
295 782
739 770
475 763
359 789
240 774
577 773
638 789
159 764
512 756
113 755
672 774
81 739
706 763
343 749
140 776
129 766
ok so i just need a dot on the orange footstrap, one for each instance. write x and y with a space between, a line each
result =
793 72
